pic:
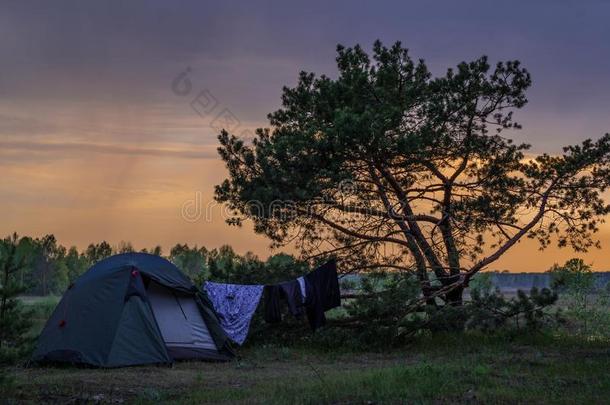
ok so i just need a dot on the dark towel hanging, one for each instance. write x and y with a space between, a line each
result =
271 298
291 293
322 293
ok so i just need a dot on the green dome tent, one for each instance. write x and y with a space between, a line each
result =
131 309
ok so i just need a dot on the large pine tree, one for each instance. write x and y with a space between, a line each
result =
386 166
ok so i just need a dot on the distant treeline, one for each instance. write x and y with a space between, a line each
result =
525 281
49 268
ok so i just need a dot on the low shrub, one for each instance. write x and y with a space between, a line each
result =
587 306
383 314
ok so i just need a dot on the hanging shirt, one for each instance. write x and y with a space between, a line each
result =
322 293
291 293
235 305
272 296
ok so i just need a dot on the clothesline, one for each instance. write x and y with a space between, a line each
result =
311 294
339 276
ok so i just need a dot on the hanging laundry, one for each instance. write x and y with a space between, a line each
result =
322 293
312 294
235 305
291 293
272 296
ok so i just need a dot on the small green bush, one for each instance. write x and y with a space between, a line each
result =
383 313
587 307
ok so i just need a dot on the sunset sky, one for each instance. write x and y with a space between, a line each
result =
96 144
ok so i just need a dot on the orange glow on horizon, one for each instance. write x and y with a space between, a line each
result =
90 195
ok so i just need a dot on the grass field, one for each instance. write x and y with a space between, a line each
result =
443 369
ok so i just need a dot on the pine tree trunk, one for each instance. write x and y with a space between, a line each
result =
455 296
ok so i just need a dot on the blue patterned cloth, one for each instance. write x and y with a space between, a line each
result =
235 304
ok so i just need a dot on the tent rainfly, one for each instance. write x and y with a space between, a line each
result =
131 309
